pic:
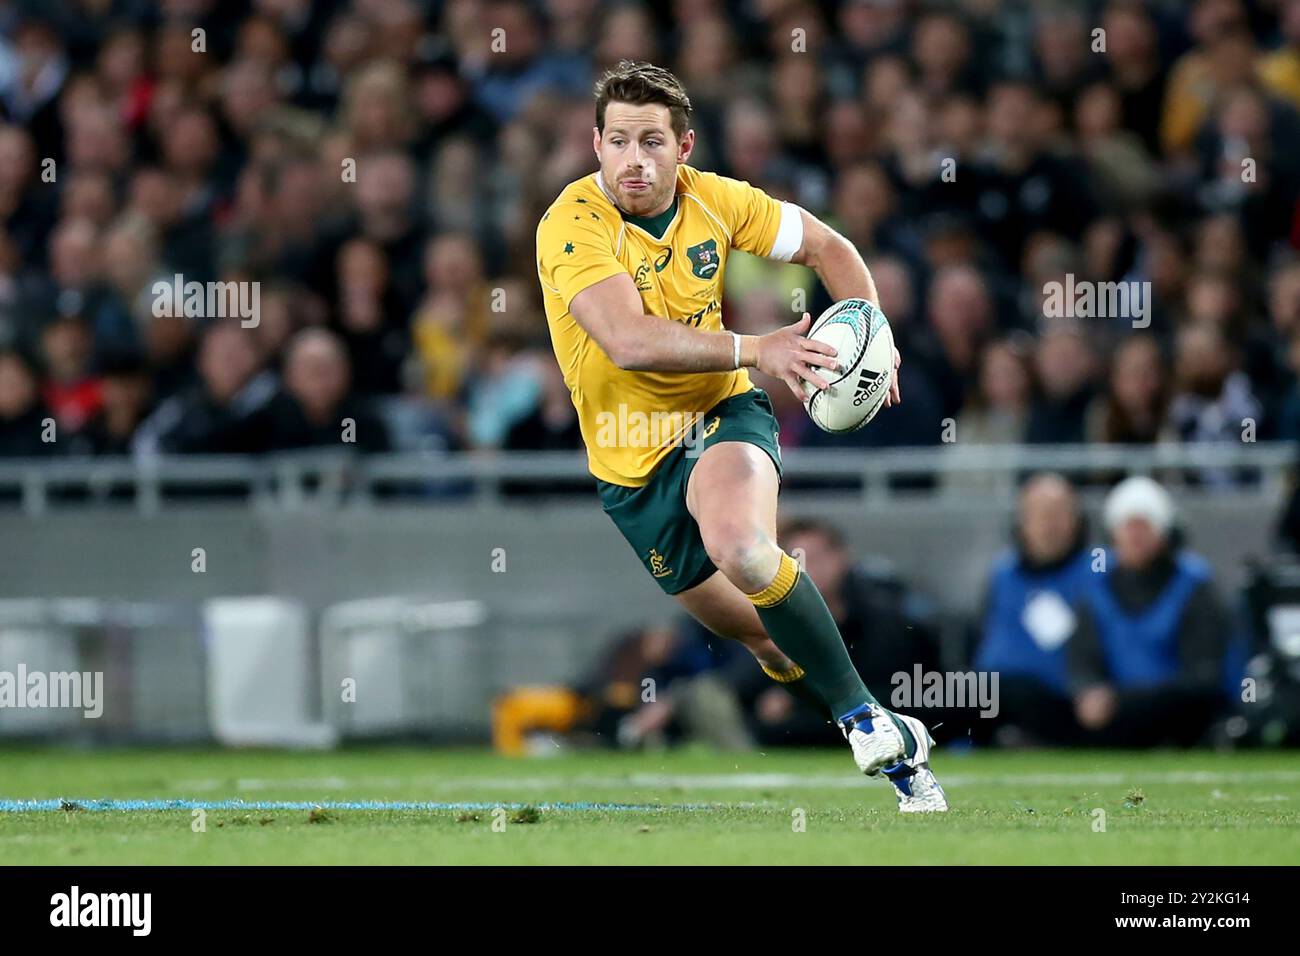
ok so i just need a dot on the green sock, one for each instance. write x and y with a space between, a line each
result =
796 618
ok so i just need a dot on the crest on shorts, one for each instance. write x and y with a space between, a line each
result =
659 564
704 258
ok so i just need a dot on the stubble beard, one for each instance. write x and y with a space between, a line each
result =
659 195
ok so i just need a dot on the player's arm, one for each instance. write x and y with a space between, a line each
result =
835 260
610 310
612 314
842 271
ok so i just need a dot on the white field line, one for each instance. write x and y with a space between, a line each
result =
732 781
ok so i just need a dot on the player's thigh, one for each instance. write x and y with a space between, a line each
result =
733 487
724 609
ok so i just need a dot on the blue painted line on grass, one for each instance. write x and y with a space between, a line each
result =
128 806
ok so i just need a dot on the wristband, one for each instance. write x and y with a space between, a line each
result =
736 349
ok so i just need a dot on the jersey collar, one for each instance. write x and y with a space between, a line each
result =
656 226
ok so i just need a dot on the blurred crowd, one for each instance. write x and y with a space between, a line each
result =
1110 636
379 167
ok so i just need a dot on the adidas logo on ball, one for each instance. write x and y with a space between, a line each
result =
869 383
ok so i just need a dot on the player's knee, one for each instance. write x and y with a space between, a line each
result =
726 539
743 553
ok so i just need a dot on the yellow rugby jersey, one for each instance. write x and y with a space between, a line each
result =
631 419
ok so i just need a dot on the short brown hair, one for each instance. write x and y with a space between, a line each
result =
641 83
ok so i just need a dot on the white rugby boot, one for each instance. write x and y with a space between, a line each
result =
914 783
876 742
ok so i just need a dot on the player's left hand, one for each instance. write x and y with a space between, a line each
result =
1095 706
774 705
895 397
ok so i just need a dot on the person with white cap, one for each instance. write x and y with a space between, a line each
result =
1146 660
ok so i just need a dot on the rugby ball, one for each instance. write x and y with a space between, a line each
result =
865 344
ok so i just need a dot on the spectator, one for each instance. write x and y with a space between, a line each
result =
444 108
127 401
1223 57
25 422
28 214
219 414
508 385
1287 533
1132 411
505 80
689 701
377 108
451 325
1213 402
314 409
997 412
1134 66
77 281
1280 69
1248 164
1061 199
1029 615
385 207
376 348
864 210
941 49
130 268
961 318
184 233
170 351
1065 365
1061 46
553 424
1288 427
1147 659
72 391
1126 176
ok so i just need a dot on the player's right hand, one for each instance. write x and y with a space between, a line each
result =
790 356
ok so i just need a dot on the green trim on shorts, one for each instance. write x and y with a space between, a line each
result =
654 519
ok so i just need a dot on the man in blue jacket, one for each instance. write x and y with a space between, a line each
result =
1029 615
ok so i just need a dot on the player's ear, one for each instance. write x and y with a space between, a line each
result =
595 140
686 146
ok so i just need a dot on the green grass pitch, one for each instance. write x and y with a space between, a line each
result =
680 807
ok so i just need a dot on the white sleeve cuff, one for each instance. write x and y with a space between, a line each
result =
789 236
